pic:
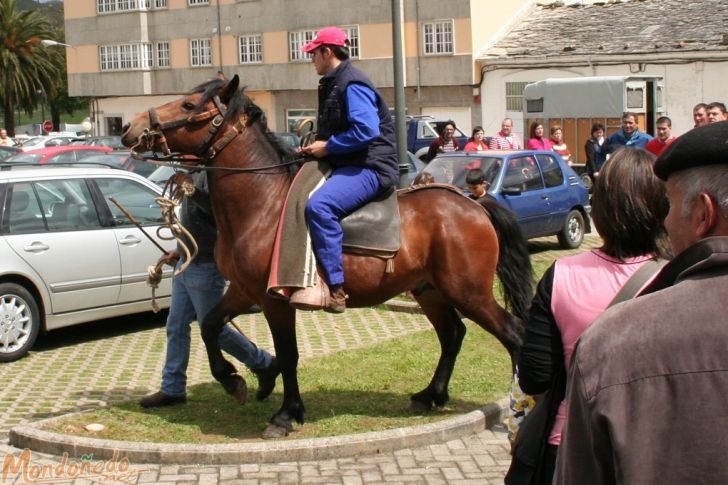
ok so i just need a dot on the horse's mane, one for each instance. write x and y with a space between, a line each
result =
240 104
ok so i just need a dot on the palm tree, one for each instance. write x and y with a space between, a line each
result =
26 67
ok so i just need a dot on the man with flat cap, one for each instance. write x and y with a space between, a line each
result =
648 388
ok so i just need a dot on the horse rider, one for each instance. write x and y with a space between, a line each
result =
355 135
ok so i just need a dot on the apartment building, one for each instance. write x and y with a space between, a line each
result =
132 54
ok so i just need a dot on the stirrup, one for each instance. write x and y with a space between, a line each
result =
311 298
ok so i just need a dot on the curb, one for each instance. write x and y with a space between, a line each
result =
312 449
401 306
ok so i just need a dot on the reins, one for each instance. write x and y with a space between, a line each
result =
174 159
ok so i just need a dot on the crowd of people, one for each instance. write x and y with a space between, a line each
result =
597 148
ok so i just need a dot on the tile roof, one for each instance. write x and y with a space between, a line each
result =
612 27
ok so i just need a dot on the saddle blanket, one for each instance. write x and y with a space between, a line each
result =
373 230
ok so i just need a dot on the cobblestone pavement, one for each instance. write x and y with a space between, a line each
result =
87 366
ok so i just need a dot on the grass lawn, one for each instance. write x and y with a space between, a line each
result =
348 392
355 391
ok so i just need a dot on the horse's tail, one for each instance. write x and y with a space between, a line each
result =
514 264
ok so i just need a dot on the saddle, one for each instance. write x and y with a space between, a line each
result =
373 230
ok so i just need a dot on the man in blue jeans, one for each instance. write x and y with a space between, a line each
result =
355 133
194 293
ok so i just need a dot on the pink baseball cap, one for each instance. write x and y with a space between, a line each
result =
328 36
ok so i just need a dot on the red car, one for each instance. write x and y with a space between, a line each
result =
57 154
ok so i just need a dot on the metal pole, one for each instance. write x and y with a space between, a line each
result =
399 101
219 38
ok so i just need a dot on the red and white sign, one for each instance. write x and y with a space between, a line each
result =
47 126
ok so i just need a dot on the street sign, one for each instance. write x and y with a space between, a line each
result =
47 126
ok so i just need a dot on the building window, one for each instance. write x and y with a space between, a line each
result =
162 54
295 116
125 57
250 49
353 34
514 96
198 2
113 125
296 40
200 52
438 38
111 6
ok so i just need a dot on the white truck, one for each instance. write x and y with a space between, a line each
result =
577 103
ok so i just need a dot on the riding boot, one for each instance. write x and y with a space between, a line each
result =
266 379
337 300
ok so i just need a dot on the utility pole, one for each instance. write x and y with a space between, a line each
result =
399 99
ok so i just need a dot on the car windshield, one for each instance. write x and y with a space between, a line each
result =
453 170
35 140
25 158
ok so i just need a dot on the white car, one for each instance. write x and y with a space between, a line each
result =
68 255
48 141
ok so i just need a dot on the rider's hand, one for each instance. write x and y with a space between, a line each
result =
316 149
170 258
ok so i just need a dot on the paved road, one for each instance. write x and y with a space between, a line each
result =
117 360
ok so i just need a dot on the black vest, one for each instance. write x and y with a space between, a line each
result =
381 153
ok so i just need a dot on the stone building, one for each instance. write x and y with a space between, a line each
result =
683 42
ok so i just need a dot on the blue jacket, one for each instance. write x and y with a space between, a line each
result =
380 154
638 140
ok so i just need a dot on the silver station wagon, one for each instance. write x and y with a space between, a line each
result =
68 255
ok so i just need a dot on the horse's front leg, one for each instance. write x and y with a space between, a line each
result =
222 370
282 323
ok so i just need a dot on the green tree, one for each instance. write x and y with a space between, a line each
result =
26 67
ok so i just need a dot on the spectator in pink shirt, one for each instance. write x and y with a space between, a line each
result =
664 136
537 140
629 205
558 143
506 139
476 142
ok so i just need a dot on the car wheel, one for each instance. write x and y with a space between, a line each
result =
19 321
572 234
587 181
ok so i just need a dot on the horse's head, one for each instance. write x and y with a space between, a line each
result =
190 124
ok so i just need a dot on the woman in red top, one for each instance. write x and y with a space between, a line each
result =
557 140
476 142
537 140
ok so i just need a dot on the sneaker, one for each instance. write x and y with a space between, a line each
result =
159 399
266 379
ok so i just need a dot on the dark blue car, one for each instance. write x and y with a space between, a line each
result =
546 195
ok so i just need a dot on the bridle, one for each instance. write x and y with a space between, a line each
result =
207 150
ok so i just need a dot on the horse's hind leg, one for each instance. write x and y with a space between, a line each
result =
450 332
222 370
490 316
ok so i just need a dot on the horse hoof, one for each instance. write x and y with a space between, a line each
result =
240 393
417 407
273 431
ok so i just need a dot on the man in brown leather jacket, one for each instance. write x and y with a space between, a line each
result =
648 390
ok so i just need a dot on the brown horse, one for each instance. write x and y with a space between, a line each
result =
449 250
